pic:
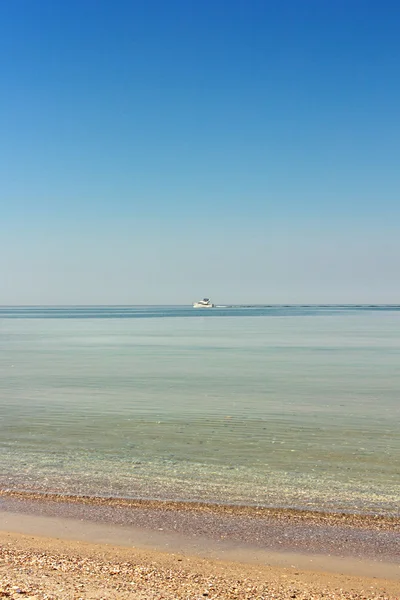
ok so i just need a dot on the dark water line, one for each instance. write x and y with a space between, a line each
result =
146 312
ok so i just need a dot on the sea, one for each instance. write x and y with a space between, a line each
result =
277 406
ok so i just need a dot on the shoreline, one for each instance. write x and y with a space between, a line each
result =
355 519
356 544
162 540
55 547
39 567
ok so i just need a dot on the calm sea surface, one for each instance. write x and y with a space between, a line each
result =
277 406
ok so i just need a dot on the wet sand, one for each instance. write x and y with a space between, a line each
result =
70 547
197 528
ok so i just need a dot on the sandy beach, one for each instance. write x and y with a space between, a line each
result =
45 568
54 547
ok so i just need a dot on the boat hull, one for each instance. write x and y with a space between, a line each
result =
199 305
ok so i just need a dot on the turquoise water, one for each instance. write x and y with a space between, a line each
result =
275 406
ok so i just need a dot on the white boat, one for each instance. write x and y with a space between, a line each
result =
205 303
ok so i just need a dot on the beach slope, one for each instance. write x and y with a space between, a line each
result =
47 568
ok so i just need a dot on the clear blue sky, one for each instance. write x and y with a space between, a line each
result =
158 151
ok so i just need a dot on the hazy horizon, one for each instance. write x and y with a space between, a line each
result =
316 304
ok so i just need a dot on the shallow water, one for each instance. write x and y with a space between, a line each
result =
277 406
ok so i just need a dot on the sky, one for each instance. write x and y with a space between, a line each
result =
157 152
